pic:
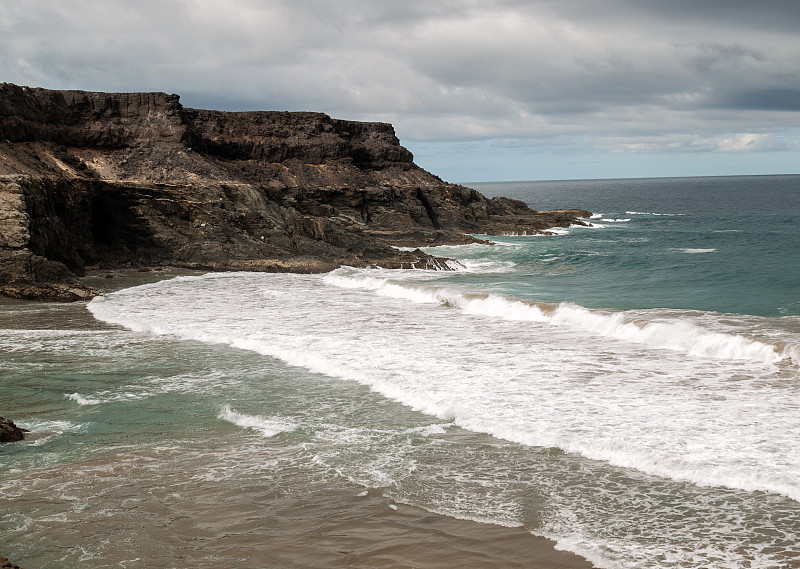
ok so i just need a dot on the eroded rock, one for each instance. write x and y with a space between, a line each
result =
119 180
6 564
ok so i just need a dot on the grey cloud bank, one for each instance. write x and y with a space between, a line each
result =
478 90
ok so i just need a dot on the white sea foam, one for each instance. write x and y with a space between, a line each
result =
483 267
435 429
56 427
672 335
546 232
43 431
613 220
791 352
696 251
440 249
81 400
152 386
616 387
612 386
267 426
654 214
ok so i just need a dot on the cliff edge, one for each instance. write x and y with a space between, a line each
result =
114 180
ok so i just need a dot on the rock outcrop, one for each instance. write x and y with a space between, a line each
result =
6 564
9 432
136 179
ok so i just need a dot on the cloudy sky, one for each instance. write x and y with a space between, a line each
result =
479 90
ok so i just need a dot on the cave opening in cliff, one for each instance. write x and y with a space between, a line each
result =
113 223
104 228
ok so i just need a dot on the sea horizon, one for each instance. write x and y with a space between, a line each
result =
606 179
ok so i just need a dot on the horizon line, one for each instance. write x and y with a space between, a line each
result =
518 181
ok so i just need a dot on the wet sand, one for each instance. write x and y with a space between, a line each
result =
154 509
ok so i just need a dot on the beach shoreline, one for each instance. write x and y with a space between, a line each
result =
182 520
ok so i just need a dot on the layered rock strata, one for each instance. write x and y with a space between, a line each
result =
115 180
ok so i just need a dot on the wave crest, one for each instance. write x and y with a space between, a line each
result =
267 426
672 335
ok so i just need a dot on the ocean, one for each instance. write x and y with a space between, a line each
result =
628 390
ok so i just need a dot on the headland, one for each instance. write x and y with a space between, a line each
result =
134 180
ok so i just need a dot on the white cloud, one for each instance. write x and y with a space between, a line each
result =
624 75
742 142
677 143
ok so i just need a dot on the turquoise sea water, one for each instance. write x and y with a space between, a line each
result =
725 244
630 390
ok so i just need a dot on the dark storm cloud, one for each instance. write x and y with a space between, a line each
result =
767 100
771 15
649 74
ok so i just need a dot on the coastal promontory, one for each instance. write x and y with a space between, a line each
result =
117 180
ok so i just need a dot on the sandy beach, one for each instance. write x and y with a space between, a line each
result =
175 522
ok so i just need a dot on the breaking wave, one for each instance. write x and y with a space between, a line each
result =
267 426
672 334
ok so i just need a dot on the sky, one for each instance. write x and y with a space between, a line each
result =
487 90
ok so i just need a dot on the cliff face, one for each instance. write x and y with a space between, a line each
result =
136 179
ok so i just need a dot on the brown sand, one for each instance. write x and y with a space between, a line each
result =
169 508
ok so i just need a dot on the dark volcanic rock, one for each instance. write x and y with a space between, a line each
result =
6 564
9 432
118 180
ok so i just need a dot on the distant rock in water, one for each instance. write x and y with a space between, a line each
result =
114 180
6 564
9 432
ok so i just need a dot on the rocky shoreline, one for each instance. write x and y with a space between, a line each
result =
126 180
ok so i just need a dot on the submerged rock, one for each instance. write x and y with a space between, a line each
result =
9 432
129 180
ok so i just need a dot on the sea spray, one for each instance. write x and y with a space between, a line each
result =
267 426
676 335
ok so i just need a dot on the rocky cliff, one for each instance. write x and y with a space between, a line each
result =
136 179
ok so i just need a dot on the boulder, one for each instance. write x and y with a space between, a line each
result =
9 432
6 564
